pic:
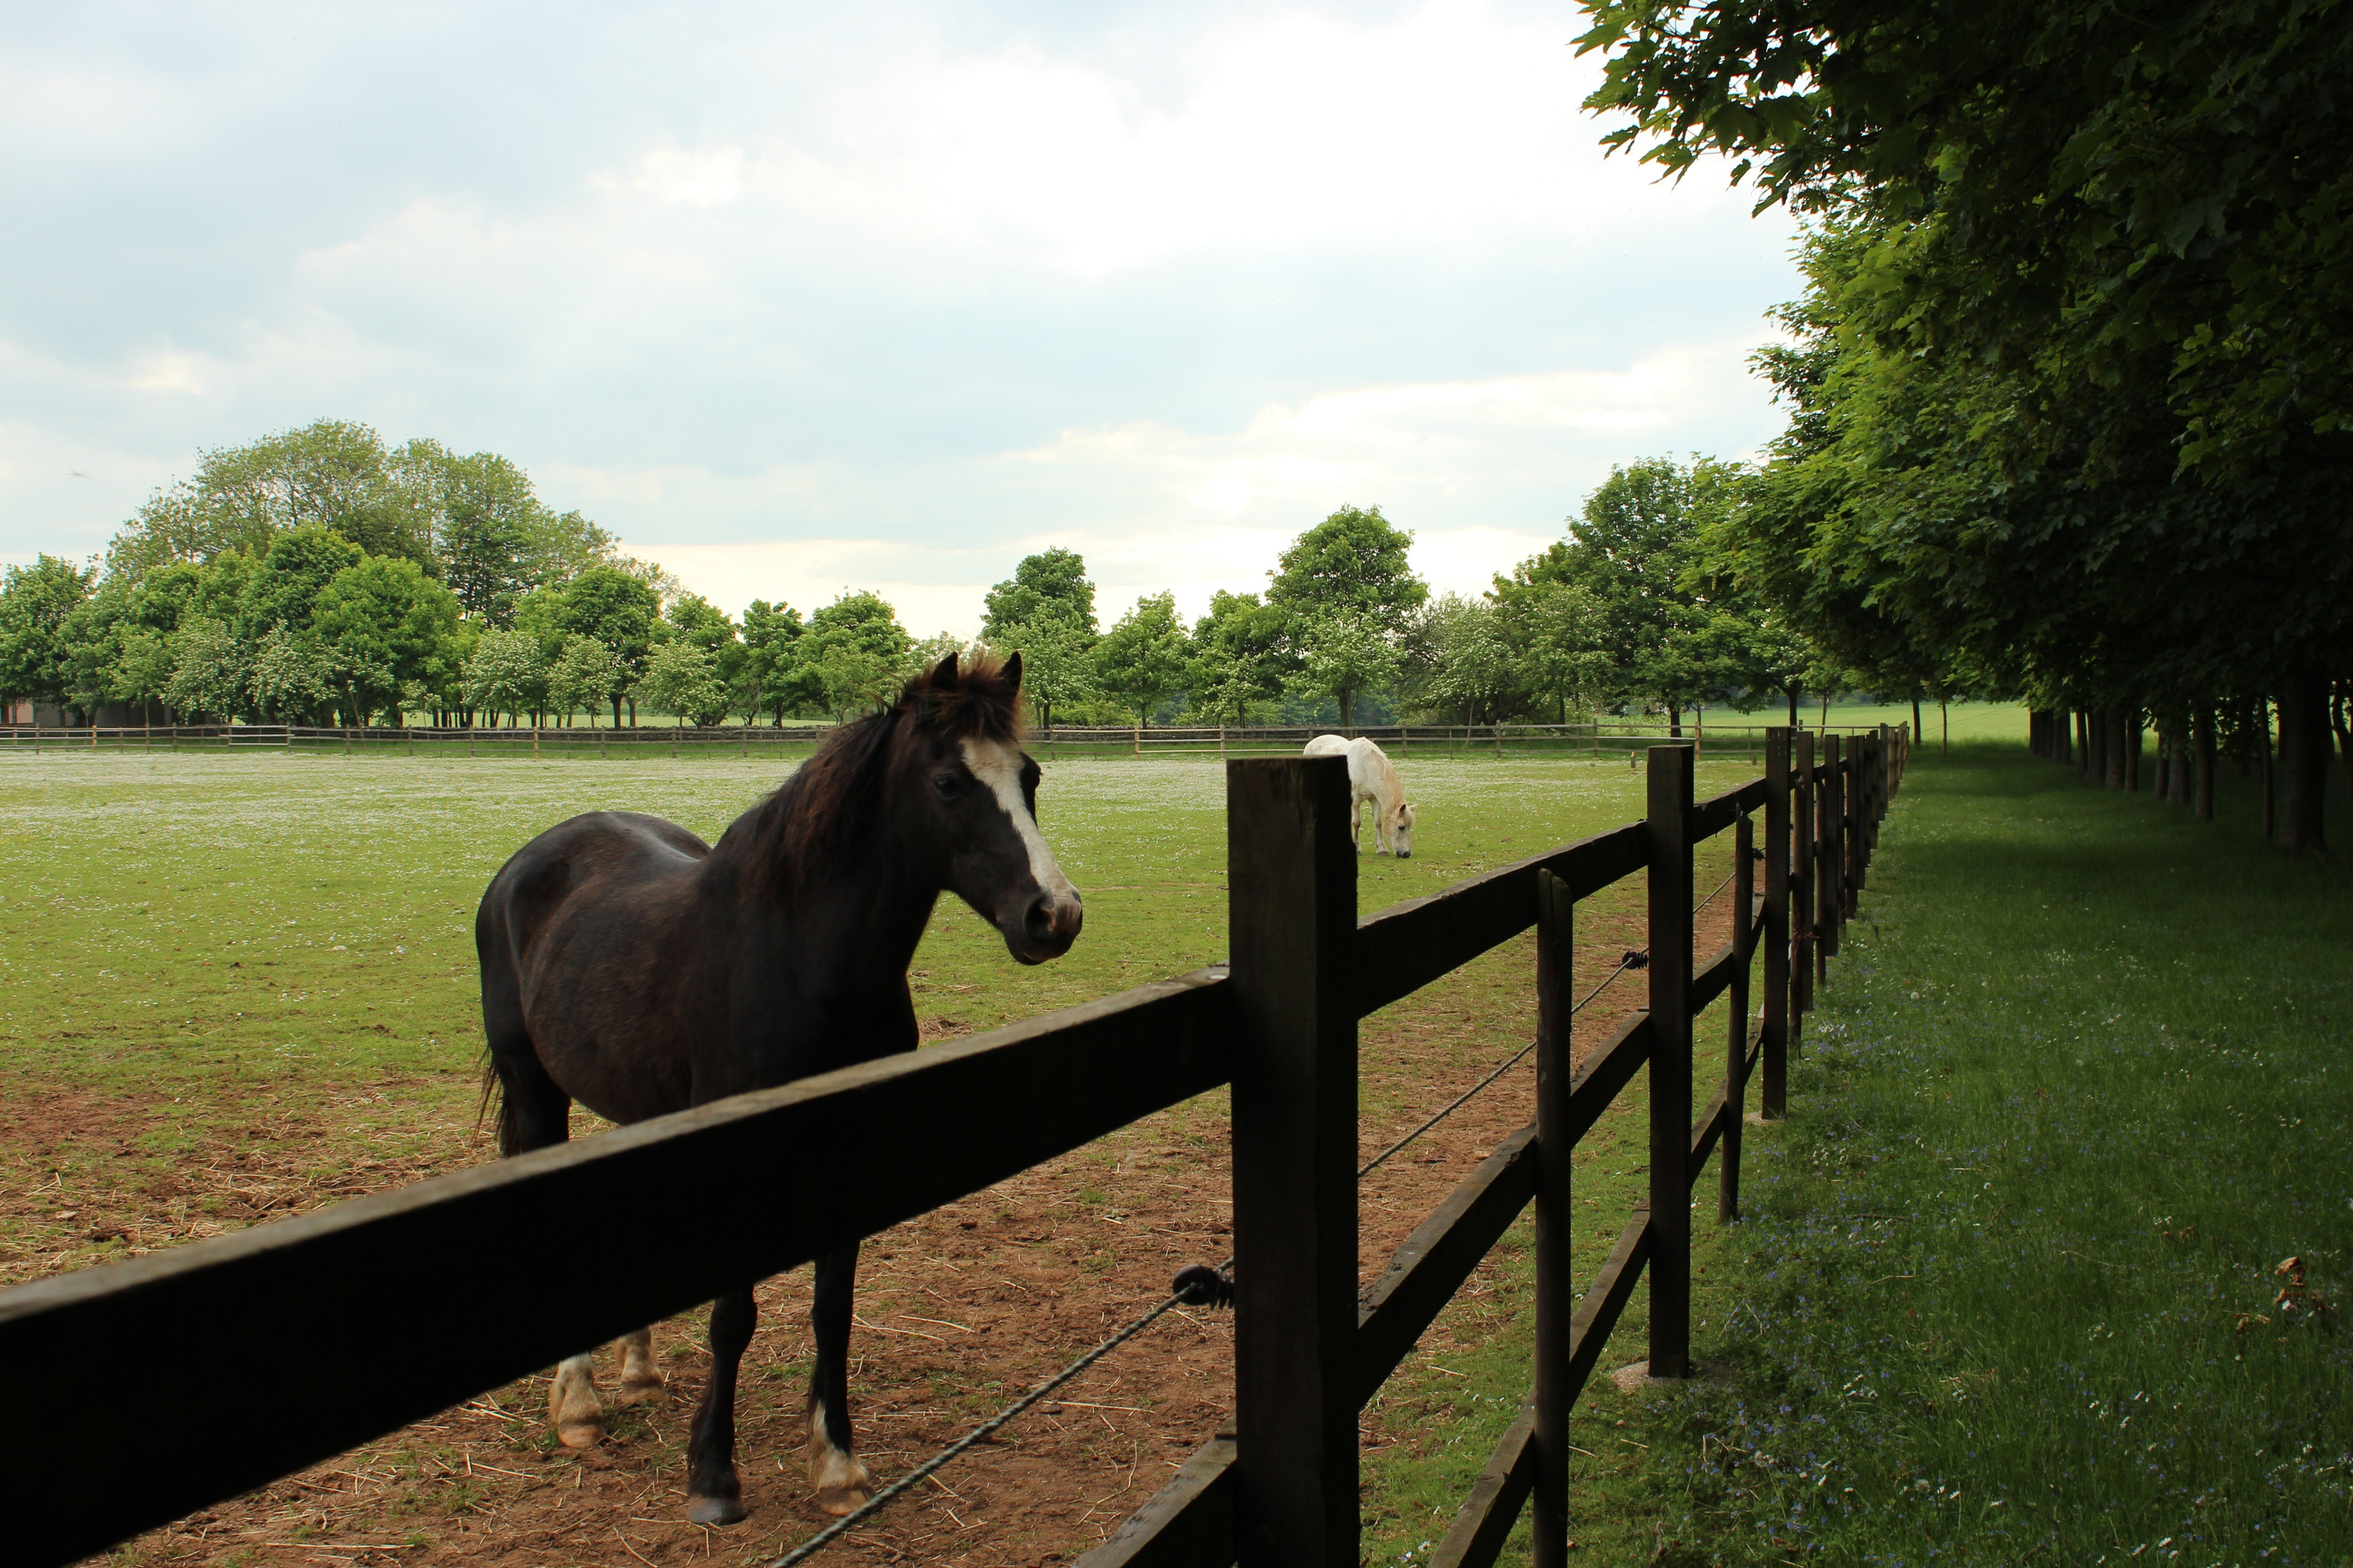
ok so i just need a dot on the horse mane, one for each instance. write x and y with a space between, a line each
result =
834 795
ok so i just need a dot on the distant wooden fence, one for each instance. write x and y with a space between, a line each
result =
1608 738
270 1349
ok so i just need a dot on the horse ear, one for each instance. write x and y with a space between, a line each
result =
945 672
1013 670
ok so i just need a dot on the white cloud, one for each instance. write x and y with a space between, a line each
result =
1473 469
876 298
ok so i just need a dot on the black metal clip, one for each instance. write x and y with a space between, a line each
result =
1202 1285
1637 958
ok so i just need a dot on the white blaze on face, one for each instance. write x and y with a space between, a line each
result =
998 768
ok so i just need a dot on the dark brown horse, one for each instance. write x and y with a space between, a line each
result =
630 966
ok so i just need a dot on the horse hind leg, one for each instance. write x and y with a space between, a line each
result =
836 1475
641 1375
573 1406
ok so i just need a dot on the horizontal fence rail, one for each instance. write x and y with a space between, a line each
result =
458 1271
1608 738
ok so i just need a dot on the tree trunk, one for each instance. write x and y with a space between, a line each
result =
1674 720
2270 796
2336 722
633 714
2084 741
2201 740
2304 757
2132 738
1793 705
1915 719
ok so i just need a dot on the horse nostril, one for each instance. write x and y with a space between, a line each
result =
1040 921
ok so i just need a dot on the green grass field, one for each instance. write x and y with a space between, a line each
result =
2008 1272
296 918
2009 1285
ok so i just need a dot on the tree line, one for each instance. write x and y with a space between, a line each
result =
2071 416
319 575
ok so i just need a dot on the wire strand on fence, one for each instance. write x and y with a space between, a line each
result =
1634 960
889 1494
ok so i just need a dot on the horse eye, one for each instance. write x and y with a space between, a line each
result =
945 783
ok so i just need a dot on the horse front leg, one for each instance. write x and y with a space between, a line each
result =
713 1494
840 1481
641 1375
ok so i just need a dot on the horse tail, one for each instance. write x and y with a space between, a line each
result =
502 1016
494 1097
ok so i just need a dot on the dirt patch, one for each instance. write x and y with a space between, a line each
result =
89 1176
958 1313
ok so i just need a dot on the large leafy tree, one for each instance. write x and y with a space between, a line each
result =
1352 566
1237 657
618 609
579 676
36 603
1635 550
1471 670
2174 179
683 678
387 628
2071 405
774 680
1142 660
1050 585
331 474
294 571
856 652
1342 595
1046 611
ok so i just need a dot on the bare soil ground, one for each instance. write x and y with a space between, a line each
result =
958 1311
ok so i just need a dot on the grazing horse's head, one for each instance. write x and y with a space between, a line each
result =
965 800
1401 831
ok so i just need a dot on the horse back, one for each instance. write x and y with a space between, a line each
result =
600 851
1371 773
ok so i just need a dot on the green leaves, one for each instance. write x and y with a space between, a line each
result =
1143 659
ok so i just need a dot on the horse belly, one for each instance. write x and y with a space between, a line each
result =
610 1016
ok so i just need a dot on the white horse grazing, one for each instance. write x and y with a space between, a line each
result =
1371 778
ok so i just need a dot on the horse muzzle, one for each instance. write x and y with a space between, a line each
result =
1050 924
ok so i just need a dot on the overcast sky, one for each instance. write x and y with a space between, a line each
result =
798 297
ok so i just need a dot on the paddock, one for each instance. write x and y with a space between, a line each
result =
170 891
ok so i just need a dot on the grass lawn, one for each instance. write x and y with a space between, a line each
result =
2010 1283
240 984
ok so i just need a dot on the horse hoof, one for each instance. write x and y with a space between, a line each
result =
839 1500
643 1391
714 1510
580 1434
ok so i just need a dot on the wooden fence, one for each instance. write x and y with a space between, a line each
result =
174 1381
1609 738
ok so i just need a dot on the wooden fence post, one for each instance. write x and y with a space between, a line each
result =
1830 885
1736 1063
1803 859
1773 1095
1555 1272
1291 913
1669 820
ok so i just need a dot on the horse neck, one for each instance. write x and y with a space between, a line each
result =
852 908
